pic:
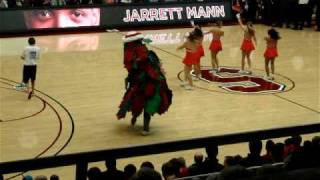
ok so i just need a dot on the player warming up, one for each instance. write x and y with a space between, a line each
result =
247 45
30 56
146 87
271 52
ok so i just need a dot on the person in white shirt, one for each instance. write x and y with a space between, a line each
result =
30 56
3 4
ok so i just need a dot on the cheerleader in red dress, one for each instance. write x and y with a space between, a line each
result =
215 46
247 44
199 38
190 59
271 51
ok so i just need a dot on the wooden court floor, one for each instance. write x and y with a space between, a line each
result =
80 83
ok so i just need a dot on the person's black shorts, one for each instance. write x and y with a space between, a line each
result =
29 72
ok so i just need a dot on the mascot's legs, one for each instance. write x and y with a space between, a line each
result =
134 119
146 123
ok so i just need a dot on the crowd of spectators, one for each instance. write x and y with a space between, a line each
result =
291 155
295 14
41 3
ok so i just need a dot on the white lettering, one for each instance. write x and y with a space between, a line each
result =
135 16
195 12
220 11
153 14
144 15
191 12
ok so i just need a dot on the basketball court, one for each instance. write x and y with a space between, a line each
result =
80 83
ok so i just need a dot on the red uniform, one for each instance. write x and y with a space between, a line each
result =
247 46
191 57
200 52
271 52
215 45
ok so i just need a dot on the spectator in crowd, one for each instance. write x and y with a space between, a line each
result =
291 145
316 145
41 177
183 170
178 167
62 18
267 9
129 171
147 164
318 16
254 158
211 163
304 157
28 177
85 2
284 11
12 3
112 172
125 1
146 174
196 167
54 177
277 153
58 2
109 1
229 161
252 10
301 14
96 1
267 158
268 169
94 173
231 173
168 171
309 12
72 2
3 4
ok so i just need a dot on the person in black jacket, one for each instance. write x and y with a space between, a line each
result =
318 15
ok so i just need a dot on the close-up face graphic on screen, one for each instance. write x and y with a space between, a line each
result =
62 18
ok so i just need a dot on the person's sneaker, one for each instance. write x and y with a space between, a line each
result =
20 87
145 133
214 70
268 77
30 95
187 87
195 78
182 83
242 72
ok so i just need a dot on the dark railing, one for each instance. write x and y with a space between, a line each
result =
81 160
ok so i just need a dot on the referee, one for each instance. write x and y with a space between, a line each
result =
30 56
